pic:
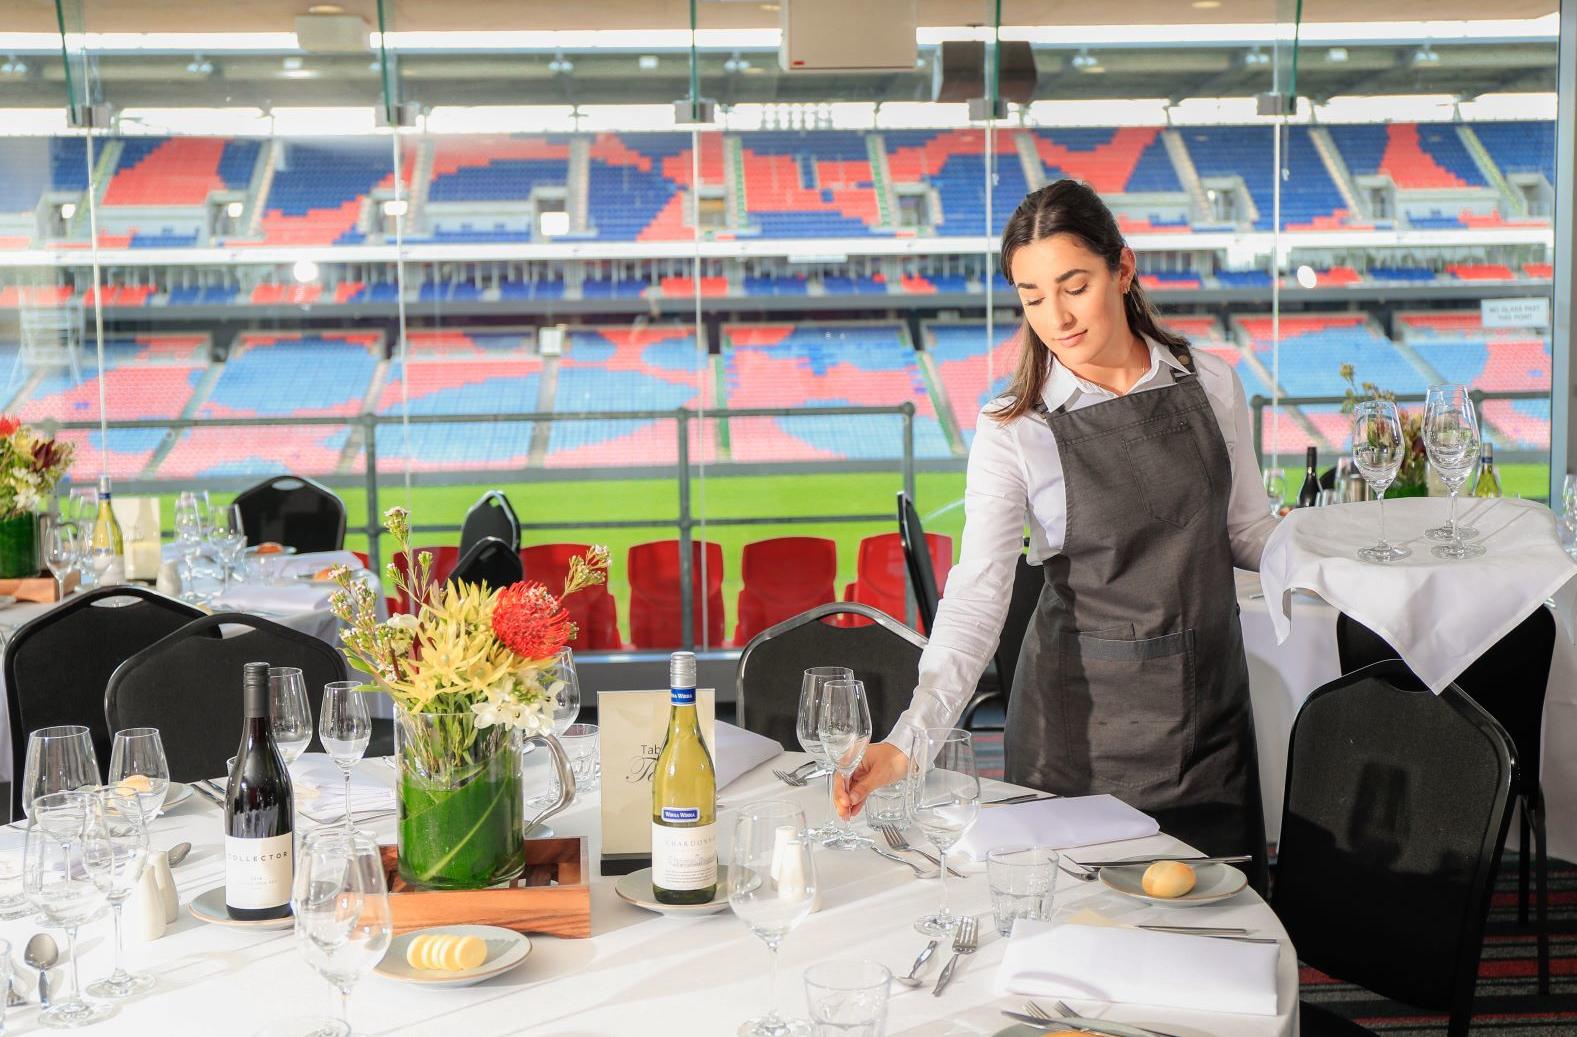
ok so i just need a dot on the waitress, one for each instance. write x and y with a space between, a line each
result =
1132 458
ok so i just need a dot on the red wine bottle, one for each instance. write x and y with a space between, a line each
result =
1309 493
259 812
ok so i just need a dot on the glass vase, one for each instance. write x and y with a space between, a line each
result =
18 546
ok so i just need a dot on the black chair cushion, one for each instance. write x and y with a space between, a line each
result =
293 511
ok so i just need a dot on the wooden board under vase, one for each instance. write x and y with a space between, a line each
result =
551 896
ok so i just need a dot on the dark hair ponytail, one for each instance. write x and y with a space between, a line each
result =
1067 207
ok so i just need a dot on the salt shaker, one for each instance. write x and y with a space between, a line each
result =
169 581
159 865
145 919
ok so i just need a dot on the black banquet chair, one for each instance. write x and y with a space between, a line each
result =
57 665
188 685
490 562
1398 802
294 511
490 516
1509 681
885 655
917 558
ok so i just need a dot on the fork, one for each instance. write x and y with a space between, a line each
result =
898 841
800 776
1067 1011
964 942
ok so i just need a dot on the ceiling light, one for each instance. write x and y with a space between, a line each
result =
68 210
1336 55
647 62
1206 5
325 9
1306 276
305 271
1256 57
234 210
14 66
291 64
736 64
553 223
560 65
1084 60
199 66
1425 55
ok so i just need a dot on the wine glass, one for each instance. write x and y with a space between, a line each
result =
1451 440
289 711
137 762
844 724
805 726
115 850
772 888
229 540
1378 449
1275 480
345 729
343 923
56 878
62 550
564 687
59 759
946 788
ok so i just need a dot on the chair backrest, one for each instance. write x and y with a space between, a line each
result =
917 559
294 511
490 516
1028 581
1397 805
445 558
1509 680
881 574
593 610
491 562
188 685
56 666
655 601
882 652
783 577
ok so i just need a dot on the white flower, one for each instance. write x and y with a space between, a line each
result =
404 621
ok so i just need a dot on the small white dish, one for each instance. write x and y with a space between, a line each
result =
505 949
210 907
177 792
636 888
1212 883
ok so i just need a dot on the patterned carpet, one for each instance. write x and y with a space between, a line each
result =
1507 1000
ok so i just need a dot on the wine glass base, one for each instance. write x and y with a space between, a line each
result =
1383 553
1444 533
130 985
775 1026
70 1014
305 1026
1457 552
937 925
841 840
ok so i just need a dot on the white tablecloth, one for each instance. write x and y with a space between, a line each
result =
639 973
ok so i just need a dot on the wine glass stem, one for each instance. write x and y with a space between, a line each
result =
1382 519
71 953
941 855
1456 537
344 1006
120 970
347 799
835 821
772 980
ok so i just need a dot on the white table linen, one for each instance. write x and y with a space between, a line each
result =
639 973
1059 823
1438 614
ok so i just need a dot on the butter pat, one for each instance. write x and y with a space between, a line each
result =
445 953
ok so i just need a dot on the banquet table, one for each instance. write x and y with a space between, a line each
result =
639 973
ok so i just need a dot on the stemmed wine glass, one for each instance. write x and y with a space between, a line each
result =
564 686
1451 440
946 787
62 550
844 724
56 878
345 729
805 726
1378 450
229 537
289 710
59 759
190 520
138 763
772 888
115 849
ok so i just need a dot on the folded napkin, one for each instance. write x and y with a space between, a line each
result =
1058 823
739 751
252 597
320 789
1135 966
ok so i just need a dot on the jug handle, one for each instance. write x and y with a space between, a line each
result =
565 774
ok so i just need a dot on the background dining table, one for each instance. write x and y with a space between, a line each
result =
638 973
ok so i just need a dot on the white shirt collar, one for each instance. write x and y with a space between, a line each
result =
1062 384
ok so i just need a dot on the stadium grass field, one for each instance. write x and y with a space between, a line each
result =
577 505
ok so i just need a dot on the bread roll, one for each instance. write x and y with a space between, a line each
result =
1168 879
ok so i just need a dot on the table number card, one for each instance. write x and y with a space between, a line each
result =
632 727
139 523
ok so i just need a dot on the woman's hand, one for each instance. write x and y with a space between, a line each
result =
882 764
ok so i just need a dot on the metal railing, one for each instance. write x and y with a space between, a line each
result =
685 522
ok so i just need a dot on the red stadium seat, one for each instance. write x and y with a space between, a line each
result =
593 609
784 577
444 560
881 579
655 617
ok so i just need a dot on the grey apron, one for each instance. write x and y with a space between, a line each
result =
1132 679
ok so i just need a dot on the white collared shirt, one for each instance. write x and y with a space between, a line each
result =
1015 478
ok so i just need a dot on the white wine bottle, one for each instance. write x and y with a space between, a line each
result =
684 799
106 536
1488 484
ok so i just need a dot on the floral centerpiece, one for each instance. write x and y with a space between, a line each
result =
31 465
471 672
1412 478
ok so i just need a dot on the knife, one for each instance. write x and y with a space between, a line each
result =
1078 1022
1236 859
1028 797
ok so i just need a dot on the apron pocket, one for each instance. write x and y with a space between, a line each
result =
1169 474
1129 707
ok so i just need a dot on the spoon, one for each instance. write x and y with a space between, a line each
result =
919 963
178 853
42 953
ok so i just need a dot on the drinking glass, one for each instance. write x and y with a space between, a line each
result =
945 784
289 710
844 724
848 998
6 968
565 689
810 738
62 550
1275 489
115 850
59 759
1023 880
80 507
1378 450
14 903
1451 441
889 804
189 524
771 887
345 729
343 924
580 745
56 878
138 753
229 540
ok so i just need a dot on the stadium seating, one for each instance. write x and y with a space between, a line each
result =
593 610
656 604
1415 156
971 375
175 172
954 163
1520 147
320 187
882 579
815 184
1130 160
783 577
1309 198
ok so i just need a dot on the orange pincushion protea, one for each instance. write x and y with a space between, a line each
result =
531 621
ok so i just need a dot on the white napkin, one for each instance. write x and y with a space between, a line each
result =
320 789
1438 614
739 751
1135 966
288 597
1058 823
